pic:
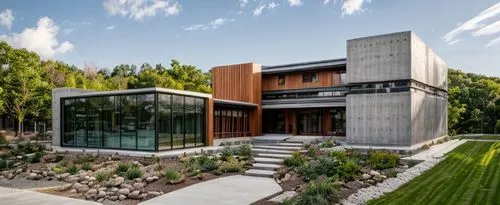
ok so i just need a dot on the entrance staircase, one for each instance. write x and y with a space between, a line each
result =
268 156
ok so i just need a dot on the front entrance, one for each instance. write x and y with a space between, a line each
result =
309 122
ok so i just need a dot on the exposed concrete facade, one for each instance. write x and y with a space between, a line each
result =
405 118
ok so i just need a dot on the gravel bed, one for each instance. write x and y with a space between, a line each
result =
21 182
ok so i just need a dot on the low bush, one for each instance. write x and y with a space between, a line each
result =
3 164
232 165
36 157
383 160
245 151
328 143
339 155
296 160
86 166
172 175
350 170
122 168
58 169
206 163
312 151
133 173
226 153
3 140
85 158
28 147
43 136
318 193
102 176
72 169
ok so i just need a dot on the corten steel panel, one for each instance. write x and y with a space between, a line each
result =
327 78
240 82
210 122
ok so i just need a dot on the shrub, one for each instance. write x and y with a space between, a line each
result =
85 158
350 170
328 143
383 160
2 139
324 165
36 157
231 165
245 151
318 193
86 166
339 155
312 151
72 169
226 153
3 164
296 160
58 169
206 163
43 136
133 173
28 147
122 168
172 175
102 176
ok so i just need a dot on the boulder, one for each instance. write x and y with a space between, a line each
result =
44 173
64 187
32 176
142 196
101 194
114 189
84 188
10 176
91 192
366 176
102 189
92 179
73 191
113 198
51 173
134 195
149 180
154 193
138 185
374 173
77 185
122 197
118 181
286 177
100 200
124 191
72 179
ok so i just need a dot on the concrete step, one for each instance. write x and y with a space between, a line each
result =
276 156
262 166
260 173
289 148
279 144
270 151
265 160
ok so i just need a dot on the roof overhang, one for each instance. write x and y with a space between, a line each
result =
304 105
313 65
142 90
231 103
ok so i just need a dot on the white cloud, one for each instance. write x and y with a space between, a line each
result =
216 23
243 3
454 41
295 2
493 42
258 10
325 2
141 9
110 28
272 5
40 39
68 31
489 29
350 7
6 18
473 23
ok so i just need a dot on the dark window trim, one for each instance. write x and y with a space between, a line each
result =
281 79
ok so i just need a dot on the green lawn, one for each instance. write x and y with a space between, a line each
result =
486 137
469 175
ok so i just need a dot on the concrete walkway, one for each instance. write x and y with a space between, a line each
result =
24 197
437 151
231 190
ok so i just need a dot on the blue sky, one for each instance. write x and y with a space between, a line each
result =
207 33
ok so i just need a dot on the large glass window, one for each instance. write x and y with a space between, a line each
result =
200 121
94 119
146 122
128 121
310 77
111 122
178 121
81 122
164 121
189 121
69 123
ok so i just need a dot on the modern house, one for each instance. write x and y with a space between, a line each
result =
390 91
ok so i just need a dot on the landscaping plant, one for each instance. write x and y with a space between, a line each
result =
232 165
323 192
133 173
72 169
86 166
296 160
383 160
328 143
102 176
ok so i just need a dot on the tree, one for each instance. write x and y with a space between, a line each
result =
23 80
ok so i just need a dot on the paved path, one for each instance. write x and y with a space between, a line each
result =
231 190
24 197
437 151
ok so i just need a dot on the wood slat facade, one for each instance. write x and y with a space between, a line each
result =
327 78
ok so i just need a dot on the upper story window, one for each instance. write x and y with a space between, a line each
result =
342 79
310 77
281 80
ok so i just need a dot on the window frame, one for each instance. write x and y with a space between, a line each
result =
310 77
281 80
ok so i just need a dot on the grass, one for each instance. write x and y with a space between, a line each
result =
485 137
469 175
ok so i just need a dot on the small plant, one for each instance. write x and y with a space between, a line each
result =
339 155
350 170
328 143
318 193
172 176
383 160
36 157
133 173
296 160
58 169
245 151
102 176
122 168
3 140
232 165
3 164
43 136
63 163
312 151
86 166
226 153
88 157
72 169
28 147
206 163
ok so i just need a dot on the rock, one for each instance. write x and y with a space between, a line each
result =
138 180
91 184
38 177
366 176
100 200
51 173
92 179
62 176
91 192
113 198
286 177
138 185
73 191
122 197
118 181
371 181
374 173
44 173
155 177
142 196
127 186
64 187
84 182
114 189
149 179
84 188
134 195
32 176
72 179
101 194
124 191
102 189
404 166
154 193
77 185
10 176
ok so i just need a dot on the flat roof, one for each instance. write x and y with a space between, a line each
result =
304 66
234 103
142 90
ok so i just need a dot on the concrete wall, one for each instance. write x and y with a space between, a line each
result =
379 58
429 115
57 94
379 119
426 66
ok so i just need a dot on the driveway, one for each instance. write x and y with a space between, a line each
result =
231 190
25 197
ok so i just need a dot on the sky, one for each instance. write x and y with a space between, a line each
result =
208 33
